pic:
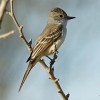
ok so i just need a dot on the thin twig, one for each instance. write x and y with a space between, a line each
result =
55 80
5 35
3 6
19 27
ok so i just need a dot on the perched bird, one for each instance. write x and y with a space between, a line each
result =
53 35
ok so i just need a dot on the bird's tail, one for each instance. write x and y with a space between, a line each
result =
30 66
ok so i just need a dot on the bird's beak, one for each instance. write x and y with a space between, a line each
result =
70 17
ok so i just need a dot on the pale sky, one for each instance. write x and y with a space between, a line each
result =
78 63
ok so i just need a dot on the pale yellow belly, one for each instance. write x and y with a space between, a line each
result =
51 49
58 43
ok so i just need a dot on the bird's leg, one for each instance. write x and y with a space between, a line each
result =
49 58
54 58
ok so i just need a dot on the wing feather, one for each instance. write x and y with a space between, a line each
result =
46 41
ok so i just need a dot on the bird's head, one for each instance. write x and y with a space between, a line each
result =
59 16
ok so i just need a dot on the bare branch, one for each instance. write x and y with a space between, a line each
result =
5 35
28 44
19 27
55 80
2 9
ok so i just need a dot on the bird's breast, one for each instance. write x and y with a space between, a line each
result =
57 43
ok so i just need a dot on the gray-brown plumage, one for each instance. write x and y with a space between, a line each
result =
53 34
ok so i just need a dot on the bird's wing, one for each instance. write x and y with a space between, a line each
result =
46 39
41 46
49 35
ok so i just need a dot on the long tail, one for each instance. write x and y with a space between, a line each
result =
30 66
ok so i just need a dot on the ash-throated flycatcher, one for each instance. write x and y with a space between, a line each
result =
53 35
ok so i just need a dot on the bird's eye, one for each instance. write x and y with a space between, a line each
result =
61 16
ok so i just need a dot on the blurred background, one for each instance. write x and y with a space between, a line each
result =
78 63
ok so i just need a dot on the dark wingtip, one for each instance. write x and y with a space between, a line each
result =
29 58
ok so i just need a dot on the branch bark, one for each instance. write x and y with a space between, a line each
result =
5 35
55 80
28 44
3 6
19 27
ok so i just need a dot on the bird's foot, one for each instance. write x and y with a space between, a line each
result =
53 60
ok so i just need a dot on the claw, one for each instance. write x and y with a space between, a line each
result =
52 69
48 57
52 61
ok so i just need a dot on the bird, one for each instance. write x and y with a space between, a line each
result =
52 36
